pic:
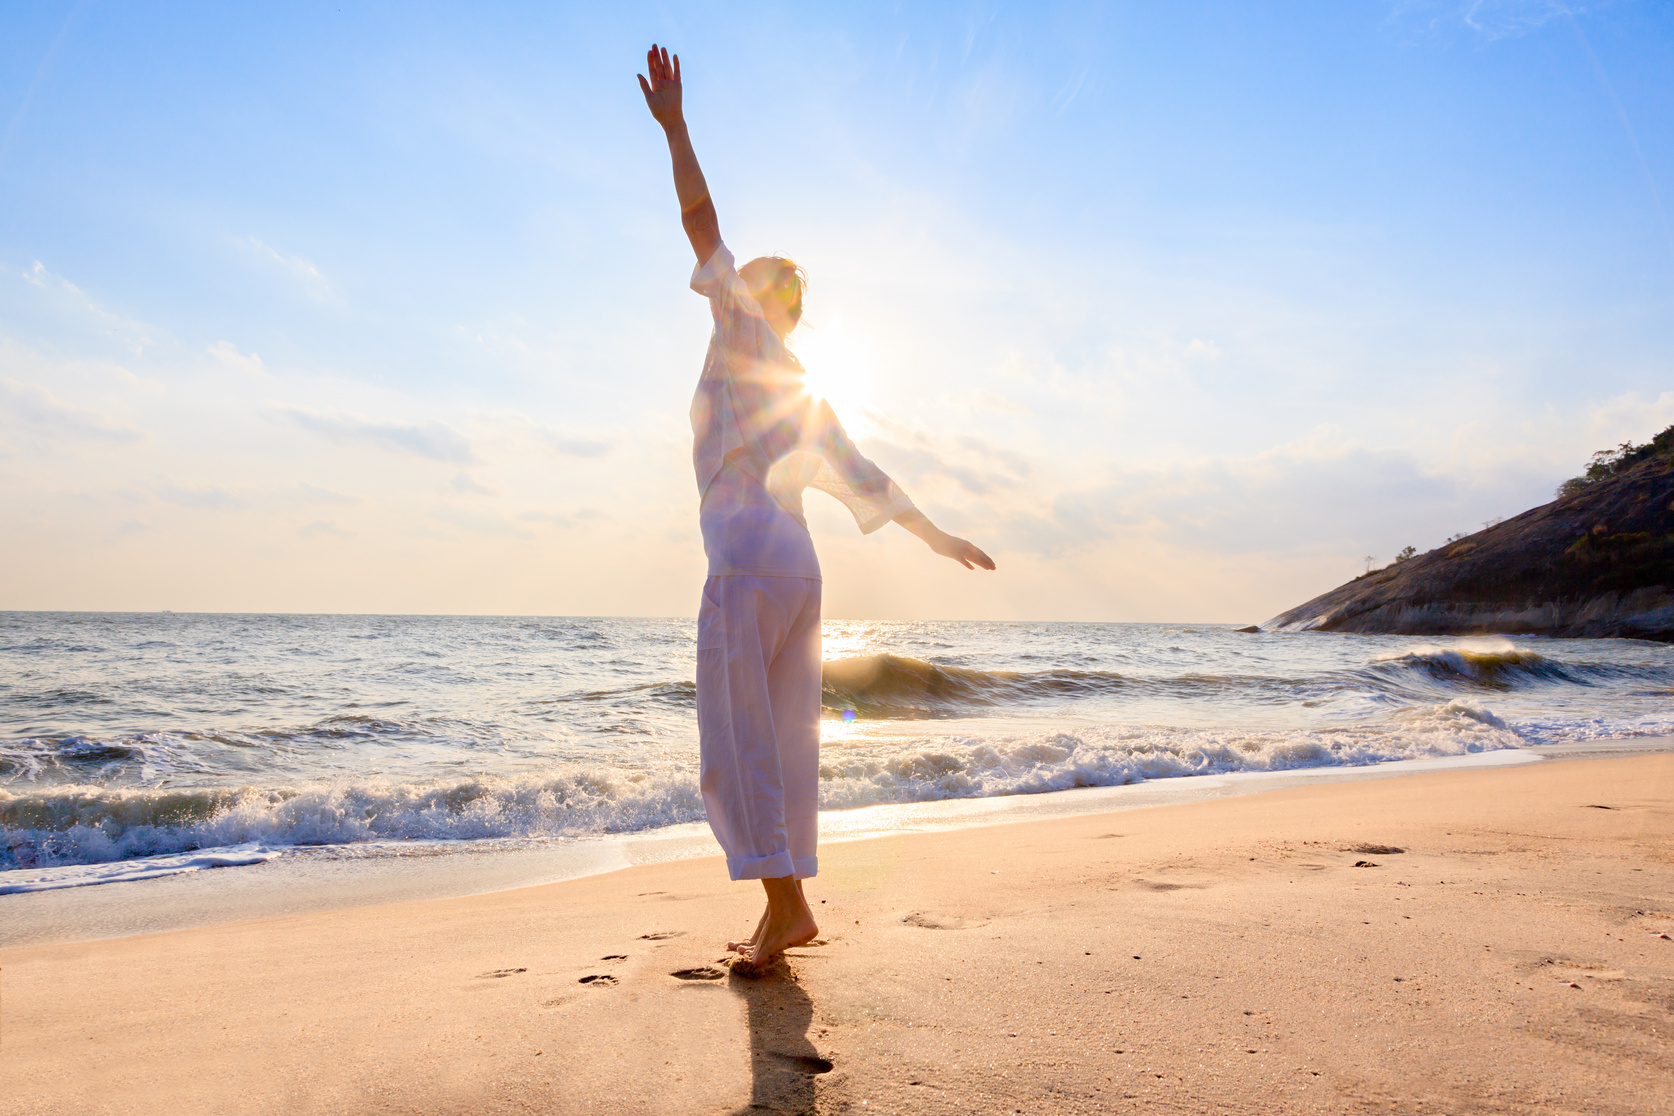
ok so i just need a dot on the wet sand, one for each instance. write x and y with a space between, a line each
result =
1250 954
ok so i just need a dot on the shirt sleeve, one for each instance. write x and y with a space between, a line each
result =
739 323
866 490
714 277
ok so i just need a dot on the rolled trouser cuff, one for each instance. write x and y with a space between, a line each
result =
807 867
772 867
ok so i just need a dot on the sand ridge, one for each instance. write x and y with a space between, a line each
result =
1504 945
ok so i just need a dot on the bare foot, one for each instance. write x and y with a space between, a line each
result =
789 923
744 946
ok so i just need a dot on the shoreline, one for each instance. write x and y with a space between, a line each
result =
1489 939
322 879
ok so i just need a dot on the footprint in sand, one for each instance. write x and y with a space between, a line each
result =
601 980
1375 850
703 972
925 920
779 966
498 973
1567 972
801 1063
614 957
661 935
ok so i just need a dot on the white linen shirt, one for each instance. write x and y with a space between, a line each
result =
759 438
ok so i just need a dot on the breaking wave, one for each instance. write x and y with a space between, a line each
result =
899 687
88 824
1498 665
896 686
144 745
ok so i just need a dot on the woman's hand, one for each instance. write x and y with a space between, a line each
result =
663 98
967 554
662 92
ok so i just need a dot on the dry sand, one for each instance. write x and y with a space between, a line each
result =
1223 956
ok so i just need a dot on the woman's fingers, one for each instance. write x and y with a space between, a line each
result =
974 554
965 552
663 68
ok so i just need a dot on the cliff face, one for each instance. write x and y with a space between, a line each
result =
1596 563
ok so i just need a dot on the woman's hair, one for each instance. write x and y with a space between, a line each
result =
778 271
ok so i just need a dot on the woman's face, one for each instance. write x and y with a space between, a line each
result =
778 289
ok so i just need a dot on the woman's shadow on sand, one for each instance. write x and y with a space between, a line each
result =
783 1061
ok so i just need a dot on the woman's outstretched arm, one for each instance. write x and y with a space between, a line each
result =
662 97
967 554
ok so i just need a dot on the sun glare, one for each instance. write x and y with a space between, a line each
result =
838 366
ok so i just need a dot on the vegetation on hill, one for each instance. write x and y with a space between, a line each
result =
1596 561
1604 464
1611 462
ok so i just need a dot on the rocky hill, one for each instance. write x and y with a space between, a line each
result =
1598 561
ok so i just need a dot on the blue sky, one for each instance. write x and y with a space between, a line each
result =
1180 310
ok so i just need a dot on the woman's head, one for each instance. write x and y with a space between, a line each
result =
777 284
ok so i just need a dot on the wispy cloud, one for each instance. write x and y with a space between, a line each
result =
434 441
324 527
981 402
484 523
464 482
1493 19
74 302
37 411
294 266
1317 492
497 425
560 519
1629 417
1500 19
977 467
1200 349
315 494
1070 89
208 497
572 445
227 355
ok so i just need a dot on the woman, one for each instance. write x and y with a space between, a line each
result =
759 440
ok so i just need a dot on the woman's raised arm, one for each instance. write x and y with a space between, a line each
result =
662 97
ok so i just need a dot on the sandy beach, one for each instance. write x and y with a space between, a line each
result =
1260 954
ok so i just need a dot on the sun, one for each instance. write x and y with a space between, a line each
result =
838 366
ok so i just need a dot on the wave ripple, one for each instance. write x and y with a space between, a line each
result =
87 824
128 737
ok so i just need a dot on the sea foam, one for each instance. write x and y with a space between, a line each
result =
86 824
125 738
127 871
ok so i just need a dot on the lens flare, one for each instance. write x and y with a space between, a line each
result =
839 368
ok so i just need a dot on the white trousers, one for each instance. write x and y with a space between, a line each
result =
758 705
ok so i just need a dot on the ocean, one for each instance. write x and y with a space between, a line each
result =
136 744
